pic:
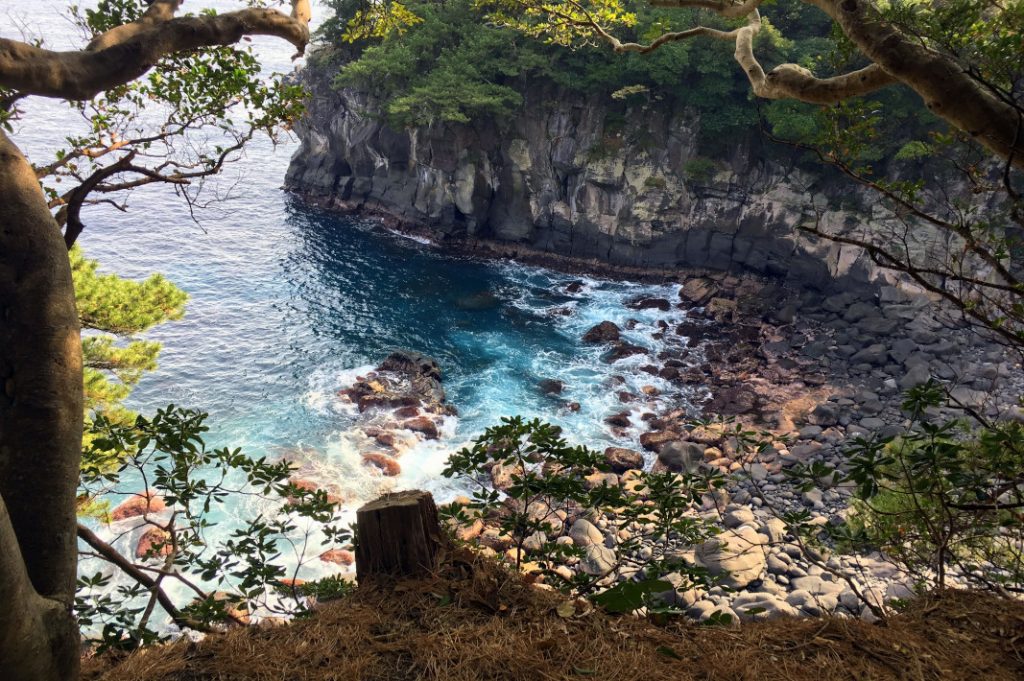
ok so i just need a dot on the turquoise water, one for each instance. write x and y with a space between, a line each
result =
290 309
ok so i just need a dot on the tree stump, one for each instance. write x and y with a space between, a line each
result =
398 535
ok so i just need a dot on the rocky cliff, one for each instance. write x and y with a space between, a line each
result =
581 177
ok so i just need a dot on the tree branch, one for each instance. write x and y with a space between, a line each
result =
113 556
70 214
80 75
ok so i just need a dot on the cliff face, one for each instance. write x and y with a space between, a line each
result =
580 177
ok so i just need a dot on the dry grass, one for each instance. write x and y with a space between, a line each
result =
476 621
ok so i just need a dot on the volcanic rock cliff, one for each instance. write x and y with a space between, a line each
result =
584 177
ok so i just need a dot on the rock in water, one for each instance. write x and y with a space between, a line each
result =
384 463
155 541
605 332
338 556
422 424
650 304
139 504
551 386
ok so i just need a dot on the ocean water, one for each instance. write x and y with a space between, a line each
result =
289 303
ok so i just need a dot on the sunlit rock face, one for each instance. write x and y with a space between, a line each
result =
568 176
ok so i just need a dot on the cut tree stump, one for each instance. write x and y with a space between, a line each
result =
398 535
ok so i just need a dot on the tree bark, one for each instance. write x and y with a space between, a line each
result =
946 87
398 535
40 427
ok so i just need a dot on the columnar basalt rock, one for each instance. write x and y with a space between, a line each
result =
558 178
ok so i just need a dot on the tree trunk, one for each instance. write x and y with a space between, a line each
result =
398 535
40 431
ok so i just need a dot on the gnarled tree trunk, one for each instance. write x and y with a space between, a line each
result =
40 431
40 343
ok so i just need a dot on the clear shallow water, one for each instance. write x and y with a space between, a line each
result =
289 303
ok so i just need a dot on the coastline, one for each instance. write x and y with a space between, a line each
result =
490 249
810 370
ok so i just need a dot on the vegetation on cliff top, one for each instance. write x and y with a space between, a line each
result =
452 65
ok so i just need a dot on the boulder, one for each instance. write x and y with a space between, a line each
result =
469 532
338 556
409 362
501 477
738 554
155 541
386 439
916 375
741 515
621 460
598 560
825 414
551 386
605 332
759 607
681 456
650 304
722 310
382 462
876 355
622 350
423 425
698 291
620 420
585 533
654 440
733 401
138 505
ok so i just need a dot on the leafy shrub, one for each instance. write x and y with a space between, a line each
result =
551 483
250 571
944 496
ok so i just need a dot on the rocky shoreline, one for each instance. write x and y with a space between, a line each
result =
812 372
811 368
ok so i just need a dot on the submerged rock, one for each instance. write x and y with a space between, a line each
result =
382 462
484 300
551 386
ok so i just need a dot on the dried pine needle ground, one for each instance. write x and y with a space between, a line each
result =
476 621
